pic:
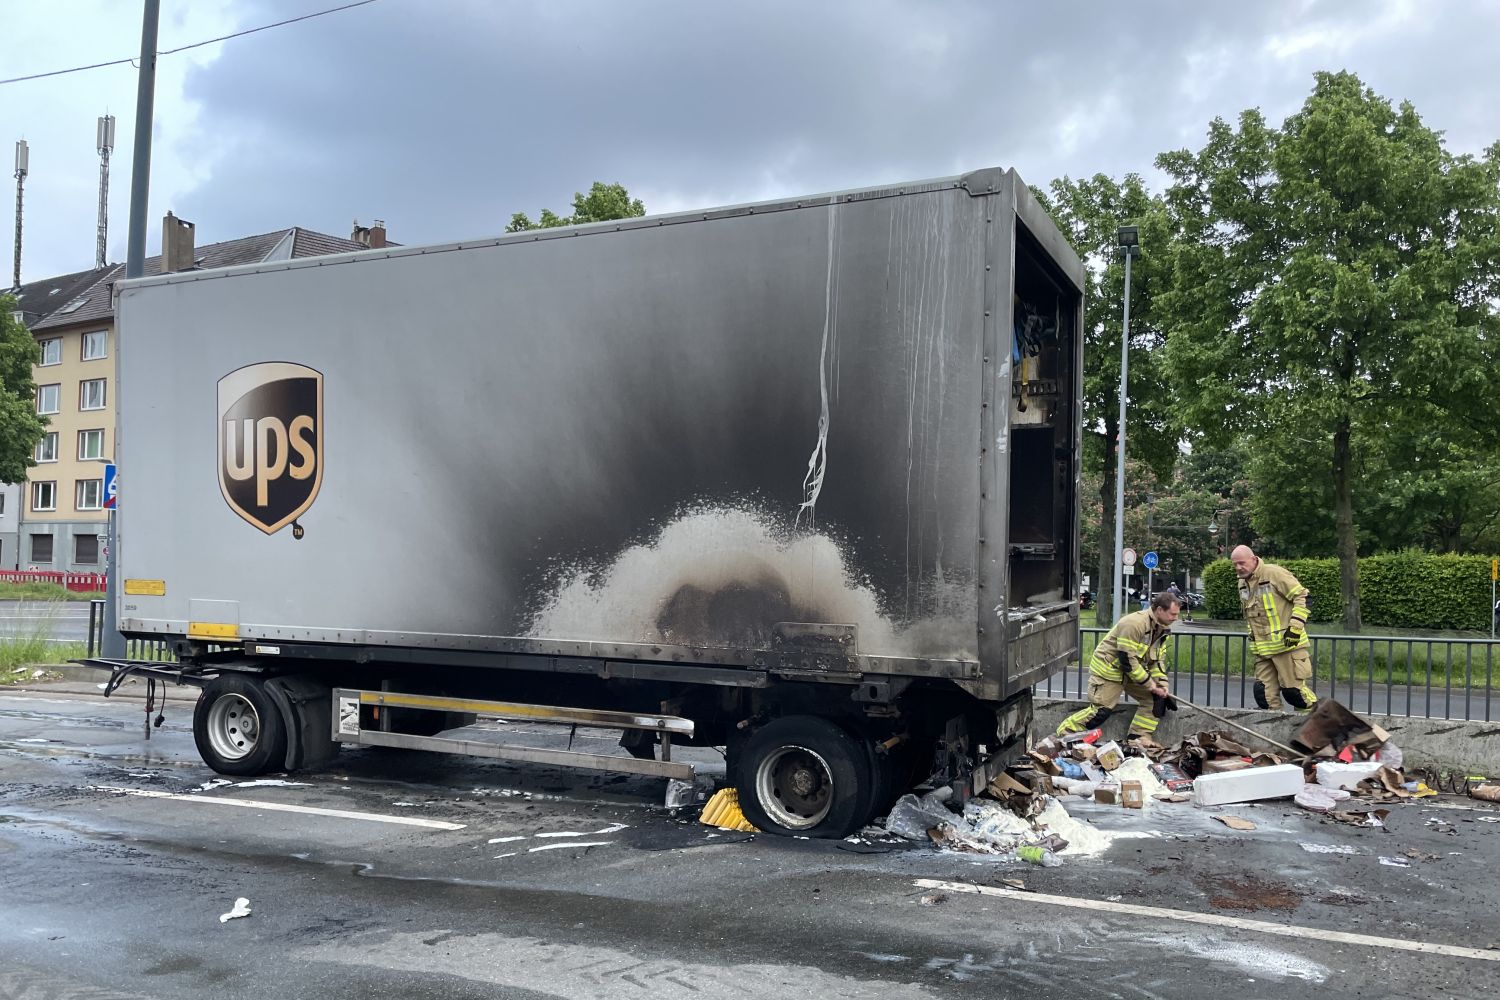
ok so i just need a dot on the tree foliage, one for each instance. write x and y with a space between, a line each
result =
1334 286
601 203
20 426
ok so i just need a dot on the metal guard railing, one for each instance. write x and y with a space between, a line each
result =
1373 675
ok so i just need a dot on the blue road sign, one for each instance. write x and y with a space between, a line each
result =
111 486
1149 560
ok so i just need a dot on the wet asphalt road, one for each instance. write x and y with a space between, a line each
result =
114 895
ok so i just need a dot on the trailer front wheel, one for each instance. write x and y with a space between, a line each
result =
804 776
238 729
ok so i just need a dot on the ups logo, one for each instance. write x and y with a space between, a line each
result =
271 442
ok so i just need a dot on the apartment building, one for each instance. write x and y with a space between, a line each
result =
60 522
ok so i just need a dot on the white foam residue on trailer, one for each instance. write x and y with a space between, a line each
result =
921 234
817 463
716 574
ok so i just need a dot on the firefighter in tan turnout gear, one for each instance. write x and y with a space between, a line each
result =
1275 607
1129 661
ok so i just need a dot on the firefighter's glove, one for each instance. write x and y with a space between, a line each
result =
1161 704
1294 637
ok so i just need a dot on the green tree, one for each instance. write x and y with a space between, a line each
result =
602 203
1089 212
20 427
1336 276
1425 484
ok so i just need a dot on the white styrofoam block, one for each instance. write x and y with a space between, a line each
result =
1337 774
1275 782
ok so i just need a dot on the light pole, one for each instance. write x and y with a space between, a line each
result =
1130 246
111 642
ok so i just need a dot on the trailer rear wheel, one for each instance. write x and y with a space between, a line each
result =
805 776
238 729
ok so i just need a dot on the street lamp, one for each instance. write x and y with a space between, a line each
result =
1130 246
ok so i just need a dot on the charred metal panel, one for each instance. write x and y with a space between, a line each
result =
670 434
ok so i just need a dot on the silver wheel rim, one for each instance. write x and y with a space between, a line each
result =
233 727
794 785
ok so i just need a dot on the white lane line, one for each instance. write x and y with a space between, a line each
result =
431 824
1215 920
571 843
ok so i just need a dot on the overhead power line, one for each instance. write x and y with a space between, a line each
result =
184 48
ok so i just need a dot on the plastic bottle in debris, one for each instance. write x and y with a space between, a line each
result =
1035 855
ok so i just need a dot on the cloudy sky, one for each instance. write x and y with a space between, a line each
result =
443 117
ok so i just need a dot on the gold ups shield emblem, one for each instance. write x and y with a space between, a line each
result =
271 442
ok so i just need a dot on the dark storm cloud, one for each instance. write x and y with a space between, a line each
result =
443 119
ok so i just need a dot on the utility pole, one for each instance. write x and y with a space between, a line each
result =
1130 246
112 643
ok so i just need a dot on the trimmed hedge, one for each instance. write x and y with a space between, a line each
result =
1404 590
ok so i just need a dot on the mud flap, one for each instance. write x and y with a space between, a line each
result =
306 707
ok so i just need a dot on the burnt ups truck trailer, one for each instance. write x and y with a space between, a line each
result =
795 479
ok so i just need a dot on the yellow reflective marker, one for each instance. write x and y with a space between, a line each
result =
212 630
147 588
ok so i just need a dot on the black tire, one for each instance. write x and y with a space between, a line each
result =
802 776
888 770
238 728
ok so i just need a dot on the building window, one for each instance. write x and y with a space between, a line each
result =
48 398
95 345
90 445
86 550
46 448
41 548
91 394
44 496
88 494
51 351
2 511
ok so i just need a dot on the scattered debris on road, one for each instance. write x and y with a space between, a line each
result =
241 909
1347 770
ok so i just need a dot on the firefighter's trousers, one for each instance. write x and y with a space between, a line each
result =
1285 676
1104 695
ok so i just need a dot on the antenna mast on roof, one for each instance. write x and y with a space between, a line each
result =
106 144
23 160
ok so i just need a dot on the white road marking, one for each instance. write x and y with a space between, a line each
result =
571 843
1216 920
431 824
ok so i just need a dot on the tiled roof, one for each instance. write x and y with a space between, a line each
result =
310 244
98 304
38 299
93 302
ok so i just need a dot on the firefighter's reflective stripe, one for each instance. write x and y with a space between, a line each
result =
1136 638
1274 603
1104 695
